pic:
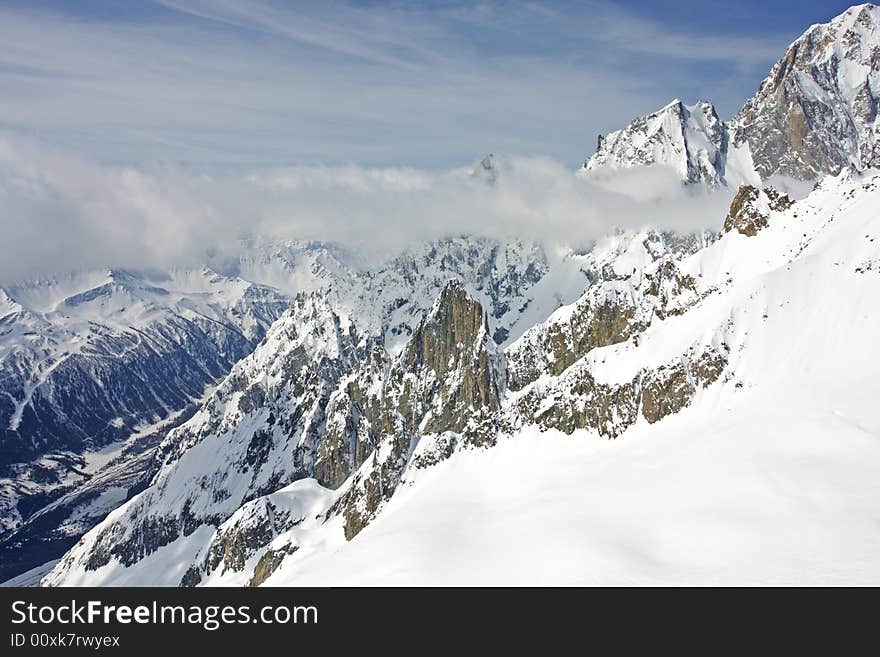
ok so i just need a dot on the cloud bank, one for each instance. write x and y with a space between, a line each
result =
61 213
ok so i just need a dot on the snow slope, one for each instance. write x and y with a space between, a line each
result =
772 477
771 496
762 469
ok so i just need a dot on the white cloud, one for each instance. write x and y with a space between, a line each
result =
61 213
248 84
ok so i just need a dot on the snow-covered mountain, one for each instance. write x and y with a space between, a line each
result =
347 334
97 366
292 414
814 114
93 358
690 139
303 452
65 385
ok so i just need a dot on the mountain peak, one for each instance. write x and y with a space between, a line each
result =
864 15
689 139
816 112
487 168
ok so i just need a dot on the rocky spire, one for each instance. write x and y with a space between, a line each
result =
454 363
447 379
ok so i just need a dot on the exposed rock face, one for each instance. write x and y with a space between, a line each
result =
744 215
266 427
499 274
576 400
350 437
236 540
269 563
328 405
777 201
670 290
449 370
92 357
551 376
817 110
341 409
607 314
619 306
373 375
447 379
751 207
304 406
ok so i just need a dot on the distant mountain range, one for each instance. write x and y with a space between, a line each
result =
245 424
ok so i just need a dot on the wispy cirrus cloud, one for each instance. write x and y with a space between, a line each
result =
243 83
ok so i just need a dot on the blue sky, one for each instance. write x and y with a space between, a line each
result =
237 83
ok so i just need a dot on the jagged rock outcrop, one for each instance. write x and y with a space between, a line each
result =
318 402
374 375
351 429
751 207
448 378
670 388
577 400
197 347
313 379
269 563
325 410
265 423
236 540
615 308
609 313
449 373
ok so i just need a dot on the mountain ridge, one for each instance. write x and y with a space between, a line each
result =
814 114
674 332
387 299
341 387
